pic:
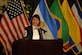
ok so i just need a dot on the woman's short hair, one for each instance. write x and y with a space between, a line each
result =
36 16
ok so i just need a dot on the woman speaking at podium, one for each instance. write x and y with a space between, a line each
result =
34 32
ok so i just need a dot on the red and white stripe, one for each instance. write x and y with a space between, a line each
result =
12 30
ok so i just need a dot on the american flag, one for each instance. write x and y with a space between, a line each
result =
12 24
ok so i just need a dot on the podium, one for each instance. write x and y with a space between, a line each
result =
38 47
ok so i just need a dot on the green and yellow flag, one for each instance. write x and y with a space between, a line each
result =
56 11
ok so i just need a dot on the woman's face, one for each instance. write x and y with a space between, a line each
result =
35 21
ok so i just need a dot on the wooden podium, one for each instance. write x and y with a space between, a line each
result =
38 47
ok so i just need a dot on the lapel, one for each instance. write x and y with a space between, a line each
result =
31 32
40 33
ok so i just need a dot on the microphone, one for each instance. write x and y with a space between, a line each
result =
43 30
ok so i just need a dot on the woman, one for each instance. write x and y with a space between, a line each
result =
34 32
